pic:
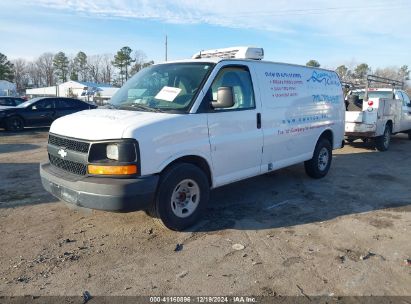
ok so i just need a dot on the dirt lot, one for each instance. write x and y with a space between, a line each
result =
347 234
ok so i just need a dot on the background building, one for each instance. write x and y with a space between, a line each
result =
88 91
7 88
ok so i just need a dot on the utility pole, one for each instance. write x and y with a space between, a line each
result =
166 47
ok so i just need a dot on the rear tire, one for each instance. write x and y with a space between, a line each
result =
382 143
14 123
181 197
319 164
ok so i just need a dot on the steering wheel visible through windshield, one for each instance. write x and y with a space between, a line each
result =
163 87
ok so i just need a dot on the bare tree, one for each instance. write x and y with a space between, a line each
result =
20 74
34 74
95 63
45 64
140 62
400 74
107 68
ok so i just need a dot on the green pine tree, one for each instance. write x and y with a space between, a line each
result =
313 63
80 65
122 60
61 64
6 68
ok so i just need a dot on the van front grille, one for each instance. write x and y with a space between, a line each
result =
69 144
67 165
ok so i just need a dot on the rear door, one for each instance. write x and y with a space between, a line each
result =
235 134
41 113
67 106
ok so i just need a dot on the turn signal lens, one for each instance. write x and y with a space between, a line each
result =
112 170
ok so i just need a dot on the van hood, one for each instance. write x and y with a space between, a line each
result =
101 124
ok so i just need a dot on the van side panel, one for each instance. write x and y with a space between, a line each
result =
298 105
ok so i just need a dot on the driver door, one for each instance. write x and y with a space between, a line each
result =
236 137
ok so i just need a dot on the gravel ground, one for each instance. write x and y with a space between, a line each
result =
278 234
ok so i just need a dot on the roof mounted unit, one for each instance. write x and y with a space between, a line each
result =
242 52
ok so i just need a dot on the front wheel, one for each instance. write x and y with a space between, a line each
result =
14 123
182 195
382 143
319 164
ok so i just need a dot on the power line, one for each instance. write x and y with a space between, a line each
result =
317 11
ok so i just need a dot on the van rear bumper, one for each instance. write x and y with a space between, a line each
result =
108 194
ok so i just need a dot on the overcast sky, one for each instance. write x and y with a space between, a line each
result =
333 32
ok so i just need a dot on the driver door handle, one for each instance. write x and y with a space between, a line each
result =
258 120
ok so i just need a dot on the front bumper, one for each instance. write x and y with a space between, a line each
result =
109 194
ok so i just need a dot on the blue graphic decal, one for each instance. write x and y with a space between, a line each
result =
326 98
325 78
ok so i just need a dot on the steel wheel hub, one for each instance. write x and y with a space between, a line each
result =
323 159
185 198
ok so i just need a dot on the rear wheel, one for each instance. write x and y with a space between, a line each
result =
14 123
382 143
319 164
182 195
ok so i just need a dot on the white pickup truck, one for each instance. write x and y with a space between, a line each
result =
178 129
387 111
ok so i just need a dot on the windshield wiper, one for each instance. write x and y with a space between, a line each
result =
138 106
109 106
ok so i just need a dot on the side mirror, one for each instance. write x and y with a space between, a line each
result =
225 98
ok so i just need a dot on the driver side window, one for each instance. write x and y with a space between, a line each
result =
43 104
238 78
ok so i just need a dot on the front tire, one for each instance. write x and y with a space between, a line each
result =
382 143
319 164
181 197
14 123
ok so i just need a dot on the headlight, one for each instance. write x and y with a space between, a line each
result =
112 151
122 151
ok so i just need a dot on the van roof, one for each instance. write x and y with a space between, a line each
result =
216 60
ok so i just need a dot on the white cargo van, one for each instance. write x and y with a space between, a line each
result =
178 129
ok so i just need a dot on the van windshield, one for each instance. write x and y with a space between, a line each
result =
164 87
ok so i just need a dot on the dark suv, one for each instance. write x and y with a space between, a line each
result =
41 111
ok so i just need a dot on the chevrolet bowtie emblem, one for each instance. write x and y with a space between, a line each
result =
62 153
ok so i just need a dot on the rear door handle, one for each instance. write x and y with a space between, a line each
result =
258 120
